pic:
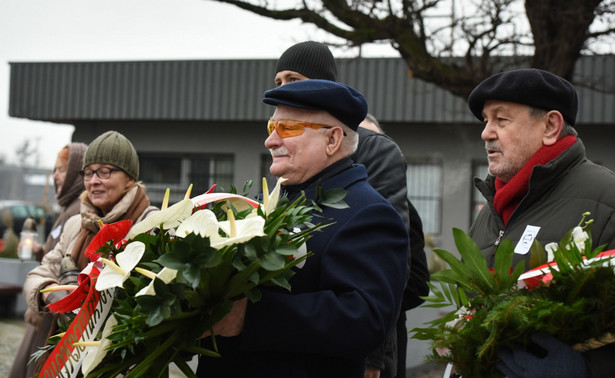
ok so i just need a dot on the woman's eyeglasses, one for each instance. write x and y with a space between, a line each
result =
102 173
289 128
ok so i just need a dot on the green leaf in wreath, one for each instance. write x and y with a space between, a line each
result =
271 261
452 277
333 198
286 250
219 278
191 273
474 260
254 295
503 273
241 281
538 255
160 306
281 281
250 252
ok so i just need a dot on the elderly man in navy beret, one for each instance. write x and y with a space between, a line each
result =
386 172
539 184
345 299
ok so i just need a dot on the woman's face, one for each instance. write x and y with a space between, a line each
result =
59 174
107 192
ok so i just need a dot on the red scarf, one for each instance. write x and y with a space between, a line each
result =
509 194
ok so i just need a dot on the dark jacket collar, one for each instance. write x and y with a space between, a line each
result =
341 165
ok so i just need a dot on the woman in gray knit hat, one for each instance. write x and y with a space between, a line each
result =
110 173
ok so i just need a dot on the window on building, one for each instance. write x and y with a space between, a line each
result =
424 178
479 169
176 172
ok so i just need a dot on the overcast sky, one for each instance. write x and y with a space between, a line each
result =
103 30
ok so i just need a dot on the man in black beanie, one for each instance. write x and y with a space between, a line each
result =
539 184
386 169
305 60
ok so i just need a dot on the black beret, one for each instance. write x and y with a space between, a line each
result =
341 101
530 86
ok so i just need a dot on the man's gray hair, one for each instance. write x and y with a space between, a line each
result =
536 113
350 142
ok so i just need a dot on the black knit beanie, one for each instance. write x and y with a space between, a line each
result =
115 149
311 59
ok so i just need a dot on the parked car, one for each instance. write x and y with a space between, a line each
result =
16 212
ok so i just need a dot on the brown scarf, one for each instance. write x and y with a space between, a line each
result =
509 194
135 202
68 196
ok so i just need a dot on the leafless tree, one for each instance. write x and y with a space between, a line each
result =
455 44
24 152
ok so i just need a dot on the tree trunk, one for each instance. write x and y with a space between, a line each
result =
560 29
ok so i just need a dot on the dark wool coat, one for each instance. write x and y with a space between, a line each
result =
386 172
344 300
559 193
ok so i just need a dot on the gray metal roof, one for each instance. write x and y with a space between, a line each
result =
231 90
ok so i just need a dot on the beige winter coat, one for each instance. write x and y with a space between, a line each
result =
49 270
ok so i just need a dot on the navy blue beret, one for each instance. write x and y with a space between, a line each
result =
341 101
530 86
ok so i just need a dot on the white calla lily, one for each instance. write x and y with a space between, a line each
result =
551 248
202 222
238 231
114 275
169 217
95 353
270 201
166 275
579 236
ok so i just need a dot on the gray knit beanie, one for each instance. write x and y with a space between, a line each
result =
311 59
113 148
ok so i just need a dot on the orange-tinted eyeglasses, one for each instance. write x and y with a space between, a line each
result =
289 128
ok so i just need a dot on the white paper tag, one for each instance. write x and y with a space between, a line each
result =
525 243
301 251
56 232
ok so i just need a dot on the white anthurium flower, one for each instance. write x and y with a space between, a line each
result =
202 222
551 248
579 237
114 274
301 251
240 203
238 231
166 275
169 217
96 350
270 201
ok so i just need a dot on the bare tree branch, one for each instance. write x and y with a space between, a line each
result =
455 44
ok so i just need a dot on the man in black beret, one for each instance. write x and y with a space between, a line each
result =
386 172
539 184
345 299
